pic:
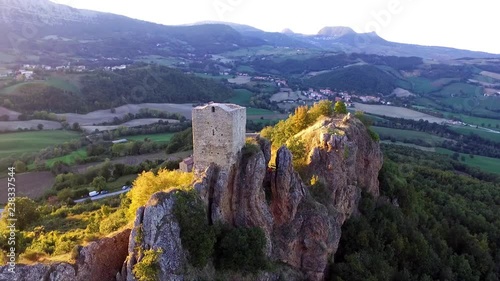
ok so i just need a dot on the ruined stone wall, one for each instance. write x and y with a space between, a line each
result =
218 134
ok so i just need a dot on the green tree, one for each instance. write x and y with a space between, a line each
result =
20 166
321 108
25 212
340 108
99 183
40 126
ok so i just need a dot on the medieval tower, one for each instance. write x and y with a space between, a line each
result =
218 134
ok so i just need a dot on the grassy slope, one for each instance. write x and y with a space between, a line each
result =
241 97
153 137
401 135
22 142
480 132
486 164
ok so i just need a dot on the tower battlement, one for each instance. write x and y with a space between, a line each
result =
218 134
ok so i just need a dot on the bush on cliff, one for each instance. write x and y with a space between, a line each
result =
149 183
196 235
147 268
242 249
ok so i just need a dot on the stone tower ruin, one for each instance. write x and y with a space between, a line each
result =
218 134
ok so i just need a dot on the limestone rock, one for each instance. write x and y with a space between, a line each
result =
100 260
158 230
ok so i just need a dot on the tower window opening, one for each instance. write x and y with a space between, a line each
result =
213 108
213 132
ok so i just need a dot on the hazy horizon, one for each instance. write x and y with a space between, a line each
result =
424 22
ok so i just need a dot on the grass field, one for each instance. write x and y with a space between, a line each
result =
460 89
69 159
402 135
396 112
259 111
153 137
487 164
480 132
25 142
53 82
241 97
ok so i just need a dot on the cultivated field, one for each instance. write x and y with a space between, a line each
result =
131 123
491 74
32 185
30 124
12 114
487 164
25 142
241 97
400 93
396 112
105 115
153 137
135 160
239 80
281 96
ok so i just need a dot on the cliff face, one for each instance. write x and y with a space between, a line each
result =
301 232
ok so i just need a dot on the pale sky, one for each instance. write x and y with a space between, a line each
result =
471 25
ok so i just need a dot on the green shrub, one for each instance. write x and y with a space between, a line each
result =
113 222
242 249
33 255
147 268
75 252
373 135
250 148
196 235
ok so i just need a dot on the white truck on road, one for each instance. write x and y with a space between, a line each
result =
93 193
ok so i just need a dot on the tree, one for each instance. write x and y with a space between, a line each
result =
40 127
99 183
321 108
340 108
76 126
20 166
25 212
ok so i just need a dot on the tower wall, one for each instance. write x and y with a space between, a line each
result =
218 134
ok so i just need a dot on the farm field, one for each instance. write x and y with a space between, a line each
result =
26 142
30 125
430 149
69 159
239 80
402 135
487 164
480 132
153 137
282 96
396 112
136 159
53 82
131 123
32 185
491 74
241 97
12 114
105 115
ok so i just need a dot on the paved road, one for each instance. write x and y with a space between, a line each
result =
94 198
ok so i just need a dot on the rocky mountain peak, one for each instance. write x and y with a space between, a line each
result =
335 31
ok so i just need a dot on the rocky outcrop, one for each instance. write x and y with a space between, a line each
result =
99 261
302 233
156 228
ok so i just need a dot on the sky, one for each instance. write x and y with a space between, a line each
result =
458 24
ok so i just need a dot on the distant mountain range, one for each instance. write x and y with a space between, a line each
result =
48 31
